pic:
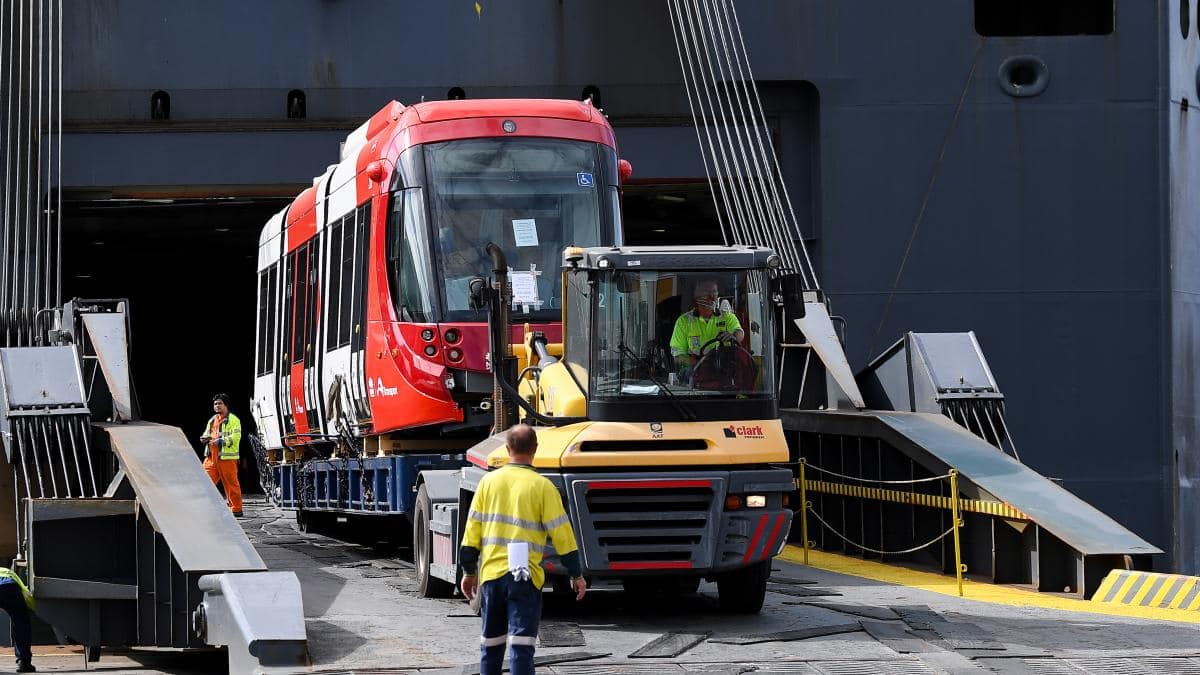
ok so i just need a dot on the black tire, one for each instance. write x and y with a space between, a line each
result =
428 586
743 591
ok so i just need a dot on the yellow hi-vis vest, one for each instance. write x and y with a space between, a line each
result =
693 331
6 573
513 504
230 438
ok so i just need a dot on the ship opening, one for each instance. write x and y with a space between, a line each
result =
187 267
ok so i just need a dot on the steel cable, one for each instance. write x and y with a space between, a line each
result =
722 92
875 550
878 481
31 68
732 205
6 16
752 181
812 272
708 173
718 116
933 178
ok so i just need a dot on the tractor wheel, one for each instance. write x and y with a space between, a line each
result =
743 591
428 586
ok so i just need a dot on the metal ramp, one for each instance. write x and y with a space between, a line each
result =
1019 527
121 536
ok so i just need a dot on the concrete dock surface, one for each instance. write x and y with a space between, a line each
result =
363 616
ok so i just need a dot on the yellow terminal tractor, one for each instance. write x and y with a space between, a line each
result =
657 420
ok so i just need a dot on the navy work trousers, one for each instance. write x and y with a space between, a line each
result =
511 611
13 604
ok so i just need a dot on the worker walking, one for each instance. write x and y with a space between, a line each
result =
221 439
514 513
17 602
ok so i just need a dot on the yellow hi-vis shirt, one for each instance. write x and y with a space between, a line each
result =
693 331
515 503
9 574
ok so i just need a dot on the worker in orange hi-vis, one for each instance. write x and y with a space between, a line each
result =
222 436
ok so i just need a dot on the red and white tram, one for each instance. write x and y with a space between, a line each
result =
364 320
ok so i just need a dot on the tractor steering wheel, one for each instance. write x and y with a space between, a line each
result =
705 355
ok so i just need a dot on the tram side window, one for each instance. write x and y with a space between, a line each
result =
346 285
261 363
310 306
333 303
300 301
361 237
285 307
266 319
272 317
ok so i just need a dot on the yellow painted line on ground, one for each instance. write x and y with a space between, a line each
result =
975 590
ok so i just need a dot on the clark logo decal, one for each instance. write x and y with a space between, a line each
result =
733 431
656 430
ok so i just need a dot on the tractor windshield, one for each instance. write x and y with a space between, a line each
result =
680 334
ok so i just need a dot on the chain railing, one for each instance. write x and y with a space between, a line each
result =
932 501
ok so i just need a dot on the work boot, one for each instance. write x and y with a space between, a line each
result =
237 514
26 667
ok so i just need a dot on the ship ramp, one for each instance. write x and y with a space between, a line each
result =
872 483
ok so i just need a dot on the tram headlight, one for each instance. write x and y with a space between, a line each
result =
452 336
430 350
454 354
427 334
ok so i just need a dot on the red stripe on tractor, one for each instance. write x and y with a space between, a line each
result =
646 484
477 462
762 522
652 565
771 540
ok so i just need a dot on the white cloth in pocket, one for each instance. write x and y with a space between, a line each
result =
518 560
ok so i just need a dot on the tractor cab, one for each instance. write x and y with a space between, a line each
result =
666 334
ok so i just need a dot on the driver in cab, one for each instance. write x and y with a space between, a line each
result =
703 324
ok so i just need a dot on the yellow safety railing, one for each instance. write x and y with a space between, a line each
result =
952 503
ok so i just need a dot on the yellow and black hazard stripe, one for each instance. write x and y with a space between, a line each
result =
998 509
1149 589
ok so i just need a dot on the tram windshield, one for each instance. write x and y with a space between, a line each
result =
532 197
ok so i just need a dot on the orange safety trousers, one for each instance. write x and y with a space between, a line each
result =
226 471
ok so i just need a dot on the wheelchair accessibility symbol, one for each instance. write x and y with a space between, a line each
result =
585 179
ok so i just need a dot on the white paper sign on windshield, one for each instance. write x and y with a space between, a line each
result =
524 288
525 231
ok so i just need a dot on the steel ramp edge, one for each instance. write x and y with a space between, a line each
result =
938 444
179 499
258 616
